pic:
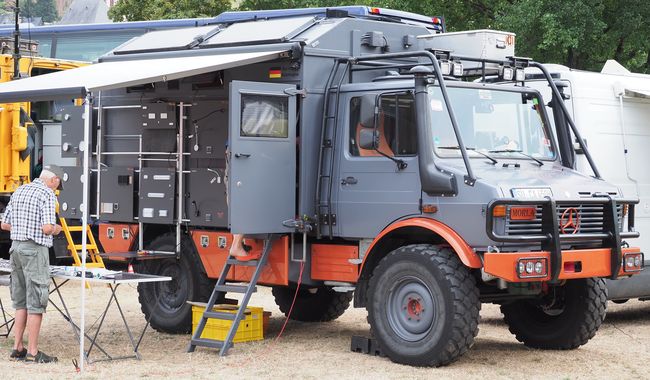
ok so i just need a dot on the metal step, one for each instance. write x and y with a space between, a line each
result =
219 315
250 263
203 342
233 288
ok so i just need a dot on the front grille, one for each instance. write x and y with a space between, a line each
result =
591 220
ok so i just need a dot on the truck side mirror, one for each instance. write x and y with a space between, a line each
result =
367 110
368 138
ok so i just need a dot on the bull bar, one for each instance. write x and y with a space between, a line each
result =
551 237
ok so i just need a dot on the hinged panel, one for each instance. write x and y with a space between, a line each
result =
116 197
206 204
157 191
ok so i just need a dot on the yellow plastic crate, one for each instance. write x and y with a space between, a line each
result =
250 328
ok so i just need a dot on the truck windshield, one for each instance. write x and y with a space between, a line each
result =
501 123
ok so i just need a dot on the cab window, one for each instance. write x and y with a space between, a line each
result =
395 130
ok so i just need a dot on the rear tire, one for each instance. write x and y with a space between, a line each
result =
320 305
172 313
563 322
423 306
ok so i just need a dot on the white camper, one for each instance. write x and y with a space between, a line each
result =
611 109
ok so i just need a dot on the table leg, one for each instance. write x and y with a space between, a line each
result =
126 325
93 341
8 323
148 321
66 315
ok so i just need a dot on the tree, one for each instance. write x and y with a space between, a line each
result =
135 10
46 9
581 34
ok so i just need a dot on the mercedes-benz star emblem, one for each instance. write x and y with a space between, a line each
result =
570 221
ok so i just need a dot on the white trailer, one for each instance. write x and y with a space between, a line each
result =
611 109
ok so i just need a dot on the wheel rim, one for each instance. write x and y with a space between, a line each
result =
174 293
411 309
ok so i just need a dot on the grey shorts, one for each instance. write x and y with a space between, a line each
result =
30 276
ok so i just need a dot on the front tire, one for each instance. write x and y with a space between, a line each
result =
565 319
423 306
312 305
166 302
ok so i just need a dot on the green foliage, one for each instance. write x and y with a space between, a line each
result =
46 9
134 10
581 34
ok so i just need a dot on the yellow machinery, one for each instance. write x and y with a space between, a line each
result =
16 164
15 171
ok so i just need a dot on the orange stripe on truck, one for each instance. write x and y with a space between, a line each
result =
579 263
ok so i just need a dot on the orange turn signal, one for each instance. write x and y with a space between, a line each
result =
499 211
429 209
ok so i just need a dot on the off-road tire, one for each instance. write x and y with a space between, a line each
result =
432 281
584 305
322 304
172 313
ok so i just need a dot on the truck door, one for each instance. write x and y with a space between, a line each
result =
372 190
262 170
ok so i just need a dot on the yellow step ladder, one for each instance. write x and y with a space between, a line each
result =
93 260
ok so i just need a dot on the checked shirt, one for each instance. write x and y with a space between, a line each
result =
31 206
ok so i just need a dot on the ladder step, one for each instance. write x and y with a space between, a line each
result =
88 247
251 263
75 228
233 288
219 315
203 342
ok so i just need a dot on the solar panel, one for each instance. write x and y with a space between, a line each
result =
276 30
173 39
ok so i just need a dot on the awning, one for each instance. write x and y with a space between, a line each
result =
635 93
76 83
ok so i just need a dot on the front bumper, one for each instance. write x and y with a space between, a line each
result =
579 263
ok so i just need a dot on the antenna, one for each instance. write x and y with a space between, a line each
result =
17 43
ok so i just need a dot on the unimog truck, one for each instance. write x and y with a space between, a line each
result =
361 151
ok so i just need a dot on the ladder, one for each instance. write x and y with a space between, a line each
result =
75 249
324 213
221 289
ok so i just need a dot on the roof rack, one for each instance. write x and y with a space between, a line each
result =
436 23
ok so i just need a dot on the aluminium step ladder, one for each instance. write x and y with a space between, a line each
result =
221 289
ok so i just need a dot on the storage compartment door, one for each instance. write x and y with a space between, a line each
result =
262 160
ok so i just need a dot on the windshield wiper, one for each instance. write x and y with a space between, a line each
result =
494 162
517 151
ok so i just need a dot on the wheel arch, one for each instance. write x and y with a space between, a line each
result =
411 231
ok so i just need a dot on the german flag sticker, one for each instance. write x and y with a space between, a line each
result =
275 73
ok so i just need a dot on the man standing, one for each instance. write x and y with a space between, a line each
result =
30 216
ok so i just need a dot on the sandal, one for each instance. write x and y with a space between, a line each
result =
18 355
40 357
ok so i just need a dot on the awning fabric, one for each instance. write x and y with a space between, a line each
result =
634 93
75 83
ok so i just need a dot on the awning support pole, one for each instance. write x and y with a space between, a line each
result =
84 223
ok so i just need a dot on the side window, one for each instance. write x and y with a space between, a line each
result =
264 116
396 131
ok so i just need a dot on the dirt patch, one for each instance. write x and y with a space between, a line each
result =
322 350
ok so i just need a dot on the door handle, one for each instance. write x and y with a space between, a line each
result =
349 181
242 155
